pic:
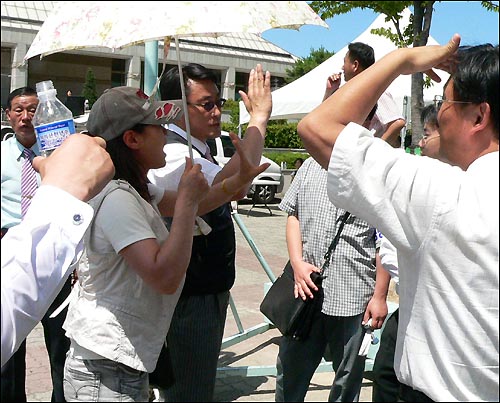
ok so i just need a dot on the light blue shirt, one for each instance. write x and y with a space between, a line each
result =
12 163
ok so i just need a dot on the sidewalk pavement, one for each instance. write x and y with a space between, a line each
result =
267 233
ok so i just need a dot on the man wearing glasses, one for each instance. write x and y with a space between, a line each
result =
428 143
442 218
195 336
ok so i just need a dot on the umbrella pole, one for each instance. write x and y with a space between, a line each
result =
184 100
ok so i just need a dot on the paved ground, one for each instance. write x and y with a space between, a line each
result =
256 354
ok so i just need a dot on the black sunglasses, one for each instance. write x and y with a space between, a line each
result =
208 106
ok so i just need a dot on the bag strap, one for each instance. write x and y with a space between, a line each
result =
335 241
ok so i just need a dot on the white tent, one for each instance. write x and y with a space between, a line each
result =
295 100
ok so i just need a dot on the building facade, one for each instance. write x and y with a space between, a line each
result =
231 56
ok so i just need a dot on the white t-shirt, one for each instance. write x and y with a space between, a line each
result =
443 222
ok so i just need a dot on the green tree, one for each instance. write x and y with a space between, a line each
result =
89 91
303 66
416 34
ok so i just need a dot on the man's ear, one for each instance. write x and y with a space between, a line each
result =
132 139
355 63
482 116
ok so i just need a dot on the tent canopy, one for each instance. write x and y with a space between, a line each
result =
297 99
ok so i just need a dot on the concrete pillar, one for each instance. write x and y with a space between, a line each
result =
133 66
19 73
228 83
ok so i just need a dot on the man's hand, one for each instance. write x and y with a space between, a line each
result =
304 286
193 186
332 84
247 171
376 310
80 166
425 58
258 101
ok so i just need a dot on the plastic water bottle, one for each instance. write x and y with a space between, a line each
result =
53 121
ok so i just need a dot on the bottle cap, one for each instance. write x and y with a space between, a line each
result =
44 86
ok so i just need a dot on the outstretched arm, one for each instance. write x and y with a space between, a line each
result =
320 128
258 102
230 188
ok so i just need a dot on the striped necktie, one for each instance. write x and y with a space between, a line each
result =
208 156
28 181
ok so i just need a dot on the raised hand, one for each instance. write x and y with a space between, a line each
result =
258 101
425 58
247 170
332 84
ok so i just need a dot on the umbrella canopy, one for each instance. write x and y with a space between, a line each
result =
115 24
110 24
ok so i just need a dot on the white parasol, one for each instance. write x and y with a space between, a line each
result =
116 24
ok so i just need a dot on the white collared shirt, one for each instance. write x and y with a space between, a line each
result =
387 112
443 222
169 176
36 261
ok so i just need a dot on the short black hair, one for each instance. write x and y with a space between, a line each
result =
476 77
372 112
170 83
19 92
361 52
429 114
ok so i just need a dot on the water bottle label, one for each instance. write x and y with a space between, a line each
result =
51 135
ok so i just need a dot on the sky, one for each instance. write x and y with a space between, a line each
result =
468 18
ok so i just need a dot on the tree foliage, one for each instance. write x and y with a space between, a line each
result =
89 91
416 34
305 65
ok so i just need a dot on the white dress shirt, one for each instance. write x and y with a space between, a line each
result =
389 259
169 176
387 112
36 261
443 222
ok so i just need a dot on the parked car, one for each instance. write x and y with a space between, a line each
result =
7 132
265 185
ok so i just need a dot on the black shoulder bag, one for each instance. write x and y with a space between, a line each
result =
293 316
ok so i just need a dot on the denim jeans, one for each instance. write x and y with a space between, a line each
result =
103 381
298 359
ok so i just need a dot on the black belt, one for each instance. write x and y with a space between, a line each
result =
408 394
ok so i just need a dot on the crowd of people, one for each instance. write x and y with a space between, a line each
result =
149 234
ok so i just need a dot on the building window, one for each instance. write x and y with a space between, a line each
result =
118 75
6 75
241 84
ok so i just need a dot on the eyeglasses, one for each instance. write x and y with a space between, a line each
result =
438 102
426 139
208 106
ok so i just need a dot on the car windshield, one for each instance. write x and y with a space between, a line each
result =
227 146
